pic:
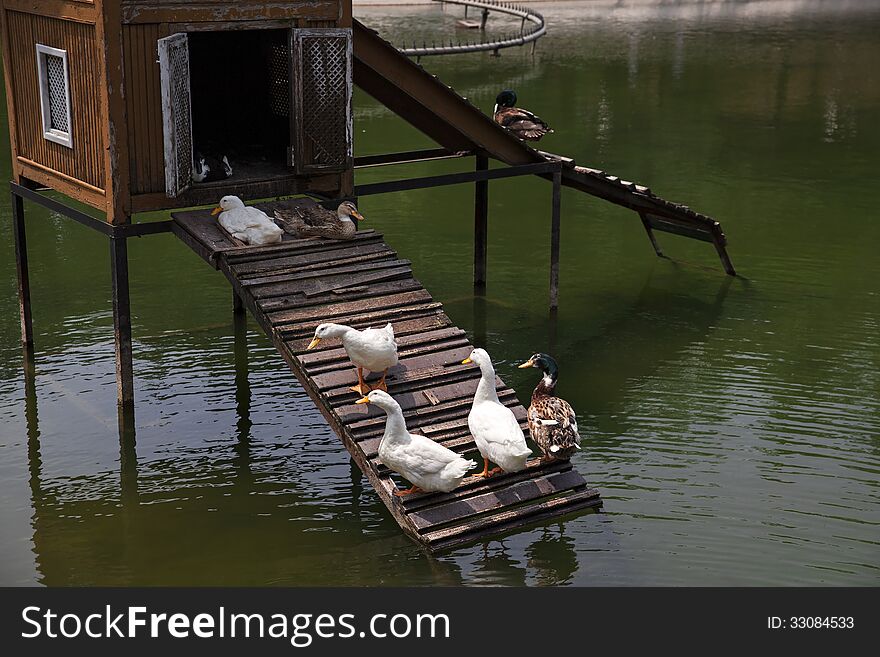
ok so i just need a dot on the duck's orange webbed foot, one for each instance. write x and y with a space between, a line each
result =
382 385
361 388
485 472
408 491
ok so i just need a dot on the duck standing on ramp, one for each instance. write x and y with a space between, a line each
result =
371 349
494 426
552 421
429 467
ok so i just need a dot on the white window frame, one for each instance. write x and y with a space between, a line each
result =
50 133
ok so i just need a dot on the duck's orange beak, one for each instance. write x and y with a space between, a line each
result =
528 363
313 343
357 215
363 400
467 361
216 211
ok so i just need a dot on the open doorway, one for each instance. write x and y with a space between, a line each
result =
275 103
240 92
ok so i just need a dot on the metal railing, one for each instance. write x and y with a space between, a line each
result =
527 34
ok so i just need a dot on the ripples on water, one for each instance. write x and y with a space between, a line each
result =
732 425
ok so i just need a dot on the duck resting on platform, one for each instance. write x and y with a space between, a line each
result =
552 421
317 221
520 122
428 467
250 225
371 349
494 427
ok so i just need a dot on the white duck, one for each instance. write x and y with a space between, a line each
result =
493 425
429 467
371 349
250 225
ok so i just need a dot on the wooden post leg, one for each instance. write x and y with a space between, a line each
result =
651 236
481 224
21 266
554 241
242 385
237 304
122 321
721 248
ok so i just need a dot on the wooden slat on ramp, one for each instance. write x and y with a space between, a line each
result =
293 286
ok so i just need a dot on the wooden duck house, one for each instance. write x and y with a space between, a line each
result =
113 102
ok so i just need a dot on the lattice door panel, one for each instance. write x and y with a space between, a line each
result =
176 113
321 126
279 79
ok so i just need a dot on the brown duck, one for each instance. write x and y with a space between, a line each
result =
552 421
520 122
316 221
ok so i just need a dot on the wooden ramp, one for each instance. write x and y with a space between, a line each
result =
292 287
452 121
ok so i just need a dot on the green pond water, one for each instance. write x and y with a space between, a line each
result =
732 425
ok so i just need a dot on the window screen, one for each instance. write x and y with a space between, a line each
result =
57 93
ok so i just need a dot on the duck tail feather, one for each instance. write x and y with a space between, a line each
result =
459 467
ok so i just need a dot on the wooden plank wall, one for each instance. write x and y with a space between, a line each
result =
84 162
143 100
157 11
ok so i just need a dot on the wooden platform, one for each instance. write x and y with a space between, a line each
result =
293 286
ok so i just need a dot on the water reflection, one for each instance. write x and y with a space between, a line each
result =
242 461
552 558
128 463
35 461
652 331
357 487
495 564
480 310
541 557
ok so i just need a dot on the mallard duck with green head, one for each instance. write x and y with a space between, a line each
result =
520 122
552 421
